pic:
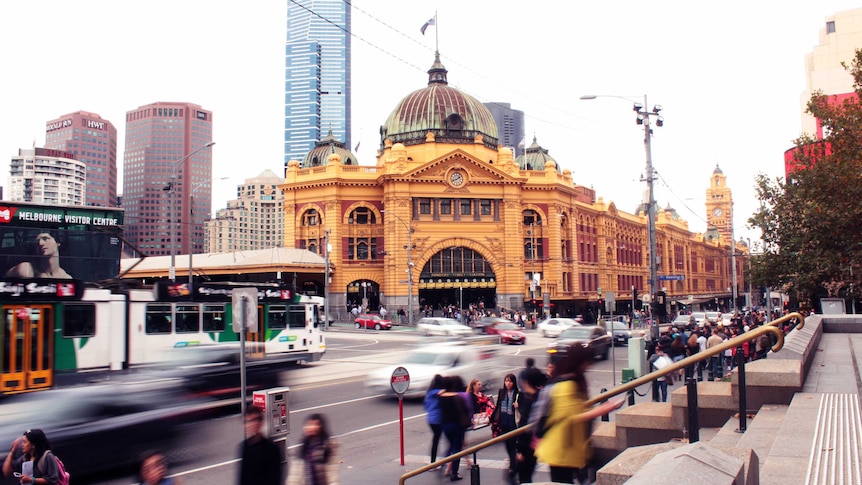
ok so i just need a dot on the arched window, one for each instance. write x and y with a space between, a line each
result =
362 215
310 218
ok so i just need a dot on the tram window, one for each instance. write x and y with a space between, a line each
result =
188 318
213 318
296 317
277 317
79 320
158 319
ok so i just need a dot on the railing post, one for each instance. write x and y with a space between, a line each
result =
475 474
743 407
606 417
693 416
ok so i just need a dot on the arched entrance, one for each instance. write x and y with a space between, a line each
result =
457 276
364 293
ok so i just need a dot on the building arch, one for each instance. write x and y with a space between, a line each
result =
349 211
462 242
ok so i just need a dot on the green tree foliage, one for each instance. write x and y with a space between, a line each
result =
812 222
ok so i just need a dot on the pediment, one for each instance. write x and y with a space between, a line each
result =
474 170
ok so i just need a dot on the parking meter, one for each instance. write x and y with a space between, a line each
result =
276 415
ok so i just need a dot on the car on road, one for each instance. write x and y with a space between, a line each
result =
465 358
594 337
509 332
442 326
100 427
682 321
553 327
699 318
372 320
481 325
621 332
713 317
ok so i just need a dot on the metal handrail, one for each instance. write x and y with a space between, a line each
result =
771 327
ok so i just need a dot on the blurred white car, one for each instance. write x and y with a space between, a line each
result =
456 358
442 326
553 327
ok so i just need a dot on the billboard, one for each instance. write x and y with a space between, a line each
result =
59 242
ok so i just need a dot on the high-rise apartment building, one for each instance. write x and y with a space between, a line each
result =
166 156
255 220
317 74
510 126
93 141
47 176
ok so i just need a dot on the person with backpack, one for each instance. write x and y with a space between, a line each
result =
47 469
532 381
565 424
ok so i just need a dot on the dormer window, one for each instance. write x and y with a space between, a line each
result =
454 122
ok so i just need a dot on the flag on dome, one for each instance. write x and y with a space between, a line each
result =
431 21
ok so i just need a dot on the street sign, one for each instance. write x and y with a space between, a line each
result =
400 380
610 301
671 277
244 301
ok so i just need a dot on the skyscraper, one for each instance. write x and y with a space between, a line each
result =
510 126
93 141
159 139
317 74
47 176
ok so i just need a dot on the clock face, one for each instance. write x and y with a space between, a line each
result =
456 179
717 212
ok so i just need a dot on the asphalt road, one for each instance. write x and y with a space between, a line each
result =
366 425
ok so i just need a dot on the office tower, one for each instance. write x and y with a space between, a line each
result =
510 126
47 176
317 74
254 220
163 145
93 141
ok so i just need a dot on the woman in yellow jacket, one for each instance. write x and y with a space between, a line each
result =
565 445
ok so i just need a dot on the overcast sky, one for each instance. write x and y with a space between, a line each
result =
728 74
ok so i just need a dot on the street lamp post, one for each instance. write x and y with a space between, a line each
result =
172 274
643 118
409 270
734 289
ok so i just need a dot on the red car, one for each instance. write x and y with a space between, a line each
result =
509 333
372 320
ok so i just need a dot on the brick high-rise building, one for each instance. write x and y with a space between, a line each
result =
93 141
254 220
164 139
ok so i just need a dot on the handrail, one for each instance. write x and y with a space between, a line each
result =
771 327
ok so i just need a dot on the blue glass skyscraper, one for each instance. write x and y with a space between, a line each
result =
317 74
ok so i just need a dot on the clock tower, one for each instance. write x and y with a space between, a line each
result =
719 204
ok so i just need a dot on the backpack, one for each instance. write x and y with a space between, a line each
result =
63 476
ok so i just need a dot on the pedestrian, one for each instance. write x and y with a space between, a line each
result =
565 446
44 469
318 451
481 403
383 312
434 414
260 462
661 361
14 458
531 383
530 363
401 315
154 469
456 420
504 418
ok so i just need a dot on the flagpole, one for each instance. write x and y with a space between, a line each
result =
436 34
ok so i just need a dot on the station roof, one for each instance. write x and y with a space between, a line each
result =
235 262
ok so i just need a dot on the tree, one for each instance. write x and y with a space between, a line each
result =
812 222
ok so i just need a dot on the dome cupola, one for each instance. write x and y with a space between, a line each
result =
323 149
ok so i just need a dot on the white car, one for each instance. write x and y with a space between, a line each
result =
454 358
553 327
442 326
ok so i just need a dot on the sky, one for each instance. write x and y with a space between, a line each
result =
728 75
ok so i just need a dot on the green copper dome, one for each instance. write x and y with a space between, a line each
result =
450 114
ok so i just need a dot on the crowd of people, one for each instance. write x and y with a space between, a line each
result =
553 401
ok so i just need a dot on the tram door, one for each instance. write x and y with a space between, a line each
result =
27 346
256 342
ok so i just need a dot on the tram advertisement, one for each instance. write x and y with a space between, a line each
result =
59 242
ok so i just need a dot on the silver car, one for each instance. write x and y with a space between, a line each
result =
553 327
446 327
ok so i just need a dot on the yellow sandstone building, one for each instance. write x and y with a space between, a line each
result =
446 216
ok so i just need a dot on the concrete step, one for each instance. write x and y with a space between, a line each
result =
715 403
818 442
646 423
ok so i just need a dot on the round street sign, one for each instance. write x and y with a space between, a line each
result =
400 380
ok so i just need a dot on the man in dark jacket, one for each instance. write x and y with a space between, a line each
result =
261 458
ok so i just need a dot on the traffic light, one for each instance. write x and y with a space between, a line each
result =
634 294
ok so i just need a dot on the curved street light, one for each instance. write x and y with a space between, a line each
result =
172 186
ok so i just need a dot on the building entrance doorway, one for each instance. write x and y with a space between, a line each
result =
457 277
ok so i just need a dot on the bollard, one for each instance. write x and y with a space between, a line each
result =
628 376
743 405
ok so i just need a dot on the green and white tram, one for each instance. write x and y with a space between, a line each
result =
56 331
